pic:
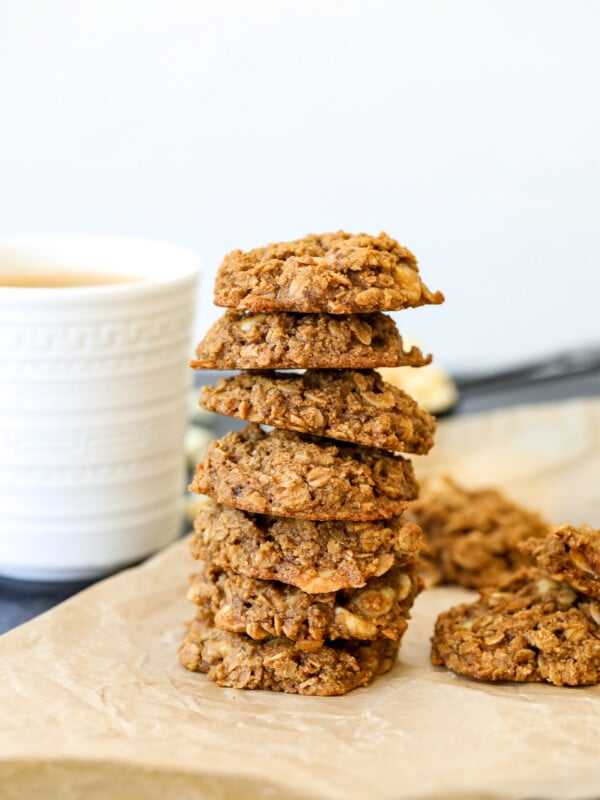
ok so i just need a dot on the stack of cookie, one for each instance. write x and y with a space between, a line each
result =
307 570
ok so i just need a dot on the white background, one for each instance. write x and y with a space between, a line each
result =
468 130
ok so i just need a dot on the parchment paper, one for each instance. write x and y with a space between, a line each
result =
94 703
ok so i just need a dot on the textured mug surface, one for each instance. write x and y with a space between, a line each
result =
93 404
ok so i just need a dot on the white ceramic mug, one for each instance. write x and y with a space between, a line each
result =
94 389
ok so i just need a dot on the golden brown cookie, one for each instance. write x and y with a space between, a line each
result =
237 661
293 475
355 406
529 629
314 556
339 273
570 554
241 340
472 537
263 609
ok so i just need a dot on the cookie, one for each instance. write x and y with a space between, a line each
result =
340 404
314 556
239 662
472 537
240 340
570 554
338 273
294 475
530 629
263 609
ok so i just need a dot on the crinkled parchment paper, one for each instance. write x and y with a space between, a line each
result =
94 704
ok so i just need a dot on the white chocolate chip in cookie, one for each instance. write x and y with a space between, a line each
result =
251 321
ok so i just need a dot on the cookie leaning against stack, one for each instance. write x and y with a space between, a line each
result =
307 572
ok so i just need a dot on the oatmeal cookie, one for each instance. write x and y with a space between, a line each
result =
570 554
314 556
350 405
339 273
241 340
263 609
472 537
239 662
294 475
529 629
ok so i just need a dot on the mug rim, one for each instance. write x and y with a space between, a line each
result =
158 263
